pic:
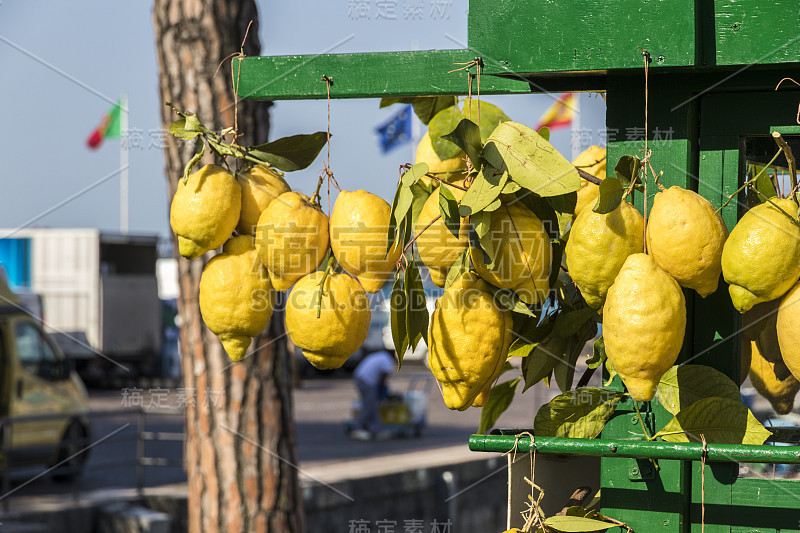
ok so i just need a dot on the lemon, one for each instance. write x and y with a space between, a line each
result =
788 330
593 161
780 394
260 185
343 322
236 297
761 258
644 321
437 246
292 238
468 340
452 169
359 227
205 210
598 246
522 253
685 236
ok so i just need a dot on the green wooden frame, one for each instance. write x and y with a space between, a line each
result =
715 65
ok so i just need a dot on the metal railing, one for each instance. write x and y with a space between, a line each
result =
141 436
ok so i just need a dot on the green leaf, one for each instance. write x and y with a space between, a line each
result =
609 196
499 399
448 207
564 370
491 116
291 153
508 300
485 189
543 211
467 136
542 360
200 149
417 310
627 169
612 372
426 107
421 193
413 174
394 224
681 386
557 253
598 354
764 183
577 414
398 304
386 102
528 332
511 187
570 322
459 266
223 149
481 223
564 206
441 124
720 420
179 129
576 524
544 133
404 200
530 160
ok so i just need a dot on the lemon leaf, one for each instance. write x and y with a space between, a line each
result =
542 359
416 309
200 149
413 174
530 160
448 208
683 385
500 398
398 304
179 129
459 266
295 152
609 196
564 369
570 524
598 354
481 223
570 322
627 169
441 124
720 420
485 189
386 102
577 414
426 107
543 210
544 133
490 116
467 136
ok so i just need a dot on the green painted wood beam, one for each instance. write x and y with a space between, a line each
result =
369 75
686 451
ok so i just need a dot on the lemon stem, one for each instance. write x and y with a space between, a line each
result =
440 180
641 420
322 281
315 197
420 233
787 152
750 182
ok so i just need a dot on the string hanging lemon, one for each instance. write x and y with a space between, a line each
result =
236 297
761 258
205 210
359 226
327 316
468 340
522 253
438 248
685 236
292 238
598 246
644 320
260 186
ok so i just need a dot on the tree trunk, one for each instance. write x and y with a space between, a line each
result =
240 450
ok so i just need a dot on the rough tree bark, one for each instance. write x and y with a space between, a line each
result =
240 447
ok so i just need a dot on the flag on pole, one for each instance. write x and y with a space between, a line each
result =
110 127
559 114
396 131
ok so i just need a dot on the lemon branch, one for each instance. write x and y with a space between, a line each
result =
787 152
588 177
315 196
322 281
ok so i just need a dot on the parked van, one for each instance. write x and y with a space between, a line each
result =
36 379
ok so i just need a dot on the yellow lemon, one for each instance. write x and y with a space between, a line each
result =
343 322
522 253
236 297
260 185
359 227
593 161
205 210
761 258
788 330
292 238
598 246
437 246
779 393
452 169
685 236
644 321
468 340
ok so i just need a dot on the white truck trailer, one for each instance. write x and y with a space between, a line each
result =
99 293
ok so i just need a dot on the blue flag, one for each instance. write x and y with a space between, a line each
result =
396 131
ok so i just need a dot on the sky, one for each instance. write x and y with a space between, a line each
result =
66 63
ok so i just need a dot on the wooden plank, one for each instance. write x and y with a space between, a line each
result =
718 509
754 31
765 505
373 75
547 36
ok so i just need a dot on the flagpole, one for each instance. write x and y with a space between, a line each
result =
416 134
123 163
576 125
